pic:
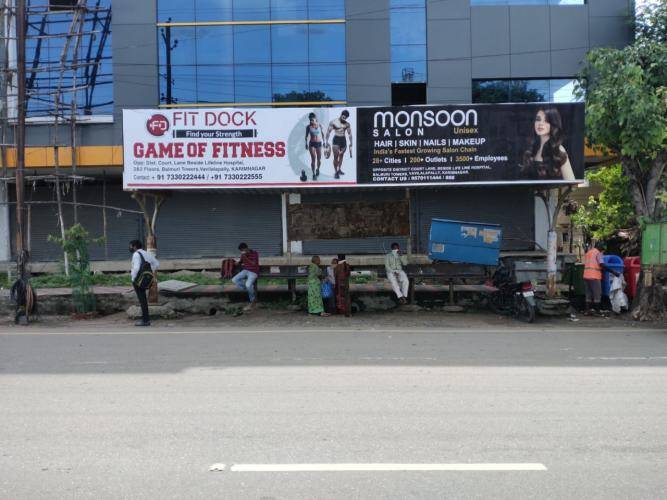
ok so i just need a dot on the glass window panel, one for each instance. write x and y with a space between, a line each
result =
183 84
289 9
215 45
290 82
562 91
252 10
330 80
213 10
326 9
252 69
527 2
490 91
529 90
176 10
96 96
183 53
408 63
289 43
252 44
398 4
215 84
252 83
183 48
408 26
215 59
326 43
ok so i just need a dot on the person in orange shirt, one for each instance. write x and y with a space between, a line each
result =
593 267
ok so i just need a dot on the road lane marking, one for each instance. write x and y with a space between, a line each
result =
623 358
384 467
217 467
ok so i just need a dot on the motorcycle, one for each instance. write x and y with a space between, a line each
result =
512 299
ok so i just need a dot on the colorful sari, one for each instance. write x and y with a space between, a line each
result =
343 300
315 305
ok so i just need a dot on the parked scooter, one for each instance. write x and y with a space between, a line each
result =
512 299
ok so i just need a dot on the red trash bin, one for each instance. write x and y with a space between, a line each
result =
631 274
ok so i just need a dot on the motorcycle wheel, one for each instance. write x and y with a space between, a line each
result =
524 311
495 304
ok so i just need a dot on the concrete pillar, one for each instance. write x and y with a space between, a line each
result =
294 247
5 227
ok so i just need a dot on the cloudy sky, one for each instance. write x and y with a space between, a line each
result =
640 3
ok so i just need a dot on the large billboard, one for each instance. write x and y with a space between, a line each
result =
541 143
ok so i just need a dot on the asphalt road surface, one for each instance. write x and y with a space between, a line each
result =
504 413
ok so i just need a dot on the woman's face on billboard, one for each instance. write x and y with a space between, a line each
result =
542 126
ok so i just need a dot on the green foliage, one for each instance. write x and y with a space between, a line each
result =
612 210
75 245
626 105
626 110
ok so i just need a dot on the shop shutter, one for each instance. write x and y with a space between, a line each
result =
212 224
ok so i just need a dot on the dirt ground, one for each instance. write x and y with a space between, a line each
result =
269 319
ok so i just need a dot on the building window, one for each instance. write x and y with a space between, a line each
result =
86 76
266 51
408 41
527 2
497 91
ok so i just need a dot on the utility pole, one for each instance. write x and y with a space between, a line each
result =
166 37
21 255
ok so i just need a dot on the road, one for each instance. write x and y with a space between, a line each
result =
344 414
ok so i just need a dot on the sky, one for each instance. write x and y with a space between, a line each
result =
641 3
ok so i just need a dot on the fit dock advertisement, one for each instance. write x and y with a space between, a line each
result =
239 148
537 143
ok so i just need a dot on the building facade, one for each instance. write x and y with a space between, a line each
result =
224 53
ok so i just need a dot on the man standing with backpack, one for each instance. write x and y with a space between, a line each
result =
143 267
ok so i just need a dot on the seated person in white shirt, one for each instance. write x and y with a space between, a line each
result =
393 264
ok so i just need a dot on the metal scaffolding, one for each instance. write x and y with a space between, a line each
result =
63 44
52 62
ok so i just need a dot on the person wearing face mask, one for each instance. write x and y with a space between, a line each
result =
139 256
393 265
245 280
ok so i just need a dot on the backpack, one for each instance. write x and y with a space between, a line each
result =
145 277
228 269
327 290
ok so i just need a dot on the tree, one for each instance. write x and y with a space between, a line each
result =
626 108
603 215
626 114
75 246
559 197
150 213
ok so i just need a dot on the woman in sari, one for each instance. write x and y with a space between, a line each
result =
315 304
342 273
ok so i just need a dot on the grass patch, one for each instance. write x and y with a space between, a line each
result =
59 280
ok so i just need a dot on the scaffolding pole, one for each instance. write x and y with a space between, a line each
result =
21 255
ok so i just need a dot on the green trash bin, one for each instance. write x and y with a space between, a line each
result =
575 278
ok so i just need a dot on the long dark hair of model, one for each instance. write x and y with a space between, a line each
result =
552 156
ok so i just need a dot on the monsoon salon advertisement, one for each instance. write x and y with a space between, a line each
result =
230 148
477 144
540 143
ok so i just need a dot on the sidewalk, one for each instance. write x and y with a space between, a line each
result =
266 320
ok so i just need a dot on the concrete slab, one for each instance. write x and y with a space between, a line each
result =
174 286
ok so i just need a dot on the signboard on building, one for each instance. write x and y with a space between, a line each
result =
539 143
